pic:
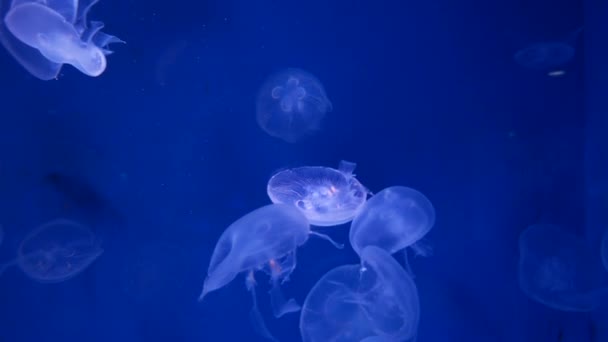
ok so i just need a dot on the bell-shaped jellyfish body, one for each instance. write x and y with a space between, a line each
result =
291 104
604 250
44 35
56 251
393 219
547 56
558 270
265 240
327 196
373 301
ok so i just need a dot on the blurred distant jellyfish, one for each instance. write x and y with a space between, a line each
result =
557 269
56 251
548 56
604 250
393 219
327 196
291 104
373 301
264 240
44 35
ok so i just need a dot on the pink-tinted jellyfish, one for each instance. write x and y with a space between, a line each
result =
44 35
56 251
265 240
557 269
291 104
372 301
393 219
327 196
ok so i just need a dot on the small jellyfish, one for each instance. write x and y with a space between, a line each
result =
373 301
291 104
56 251
393 219
556 269
44 35
327 196
548 56
264 240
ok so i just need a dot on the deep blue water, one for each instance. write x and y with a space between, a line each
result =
162 152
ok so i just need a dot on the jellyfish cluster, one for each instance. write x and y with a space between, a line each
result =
43 35
56 251
557 269
373 300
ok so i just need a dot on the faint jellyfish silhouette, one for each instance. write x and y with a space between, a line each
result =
56 251
393 219
326 196
556 269
548 56
265 240
373 301
291 104
604 250
44 35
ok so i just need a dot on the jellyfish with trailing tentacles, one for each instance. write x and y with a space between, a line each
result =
264 240
291 104
550 56
372 301
326 196
56 251
44 35
557 269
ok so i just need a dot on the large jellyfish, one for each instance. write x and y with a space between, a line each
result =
548 56
558 270
327 196
373 301
291 104
393 219
44 35
265 240
56 251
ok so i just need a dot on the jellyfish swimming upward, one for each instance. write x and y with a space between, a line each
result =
44 35
291 104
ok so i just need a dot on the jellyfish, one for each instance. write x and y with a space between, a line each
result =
372 301
393 219
326 196
291 104
604 250
264 240
56 251
548 56
556 269
44 35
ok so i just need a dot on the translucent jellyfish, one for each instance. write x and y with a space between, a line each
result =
44 35
393 219
265 240
56 251
327 196
548 56
291 104
374 301
557 269
604 250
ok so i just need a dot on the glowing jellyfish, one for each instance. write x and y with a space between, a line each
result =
44 35
327 196
393 219
604 250
548 56
291 104
265 240
556 269
374 301
56 251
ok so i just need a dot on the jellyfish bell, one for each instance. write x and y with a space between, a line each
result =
326 196
549 56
